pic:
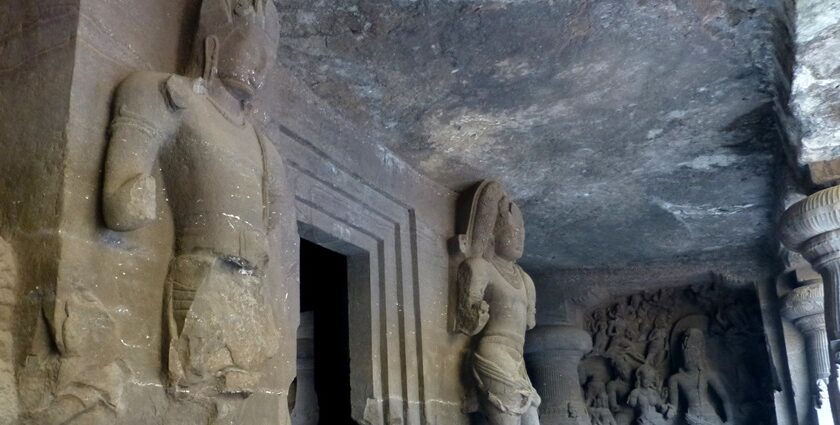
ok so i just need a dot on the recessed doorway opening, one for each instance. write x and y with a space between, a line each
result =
323 384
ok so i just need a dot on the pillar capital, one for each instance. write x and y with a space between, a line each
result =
811 227
558 338
804 306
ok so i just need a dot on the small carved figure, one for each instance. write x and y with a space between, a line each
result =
619 388
657 347
225 185
599 405
694 381
497 305
646 398
821 393
599 329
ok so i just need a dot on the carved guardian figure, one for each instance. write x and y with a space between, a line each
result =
496 305
225 185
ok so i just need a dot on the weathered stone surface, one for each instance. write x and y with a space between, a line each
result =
620 128
814 96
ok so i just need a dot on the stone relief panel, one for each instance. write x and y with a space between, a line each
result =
496 305
693 355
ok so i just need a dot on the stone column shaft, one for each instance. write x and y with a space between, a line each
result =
553 354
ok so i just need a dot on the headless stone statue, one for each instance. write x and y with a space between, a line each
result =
220 177
496 305
692 384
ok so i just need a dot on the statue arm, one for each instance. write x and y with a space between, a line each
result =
532 301
142 121
473 311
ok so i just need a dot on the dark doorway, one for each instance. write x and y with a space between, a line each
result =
323 291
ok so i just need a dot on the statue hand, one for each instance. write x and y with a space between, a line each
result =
133 205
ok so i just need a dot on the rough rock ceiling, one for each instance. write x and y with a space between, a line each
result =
630 132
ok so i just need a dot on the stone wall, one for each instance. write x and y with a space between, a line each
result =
93 315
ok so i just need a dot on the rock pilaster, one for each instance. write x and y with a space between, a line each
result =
812 228
804 308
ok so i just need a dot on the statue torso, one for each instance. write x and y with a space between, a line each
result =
214 171
508 299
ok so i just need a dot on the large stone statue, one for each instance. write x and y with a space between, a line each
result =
496 305
693 382
226 187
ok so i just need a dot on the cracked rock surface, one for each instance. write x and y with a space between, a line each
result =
629 132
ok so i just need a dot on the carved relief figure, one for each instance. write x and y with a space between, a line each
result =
632 368
646 399
657 347
8 296
693 382
497 305
599 405
225 185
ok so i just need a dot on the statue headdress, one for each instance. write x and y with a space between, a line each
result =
221 17
478 211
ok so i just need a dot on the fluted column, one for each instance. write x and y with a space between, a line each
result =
553 353
803 306
812 228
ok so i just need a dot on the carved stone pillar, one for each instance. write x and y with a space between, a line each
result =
812 228
804 308
306 411
553 354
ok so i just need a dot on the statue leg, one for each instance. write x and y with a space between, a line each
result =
187 272
495 417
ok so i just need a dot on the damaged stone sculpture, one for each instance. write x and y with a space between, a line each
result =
496 305
694 381
647 400
699 339
225 184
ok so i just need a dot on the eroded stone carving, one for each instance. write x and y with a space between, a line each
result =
87 376
693 382
223 181
647 400
637 370
8 299
496 305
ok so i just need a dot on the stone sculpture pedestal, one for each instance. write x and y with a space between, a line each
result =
553 354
